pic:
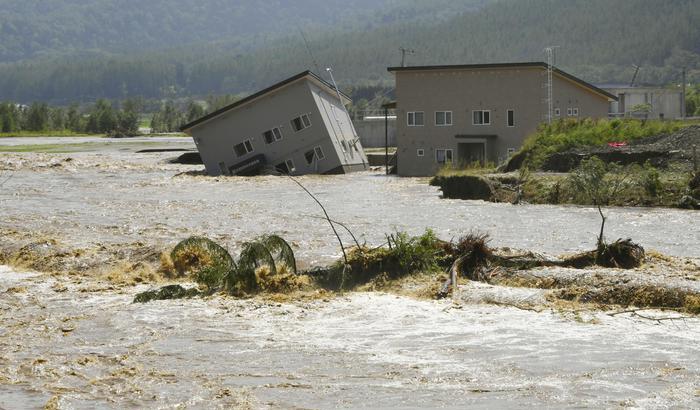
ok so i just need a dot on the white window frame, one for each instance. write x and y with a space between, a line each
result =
247 145
290 165
411 115
445 151
319 152
508 111
575 112
557 112
482 117
420 152
446 124
276 135
569 112
511 152
304 120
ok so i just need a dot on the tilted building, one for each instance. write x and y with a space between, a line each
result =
455 115
298 126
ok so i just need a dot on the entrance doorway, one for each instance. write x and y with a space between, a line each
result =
471 152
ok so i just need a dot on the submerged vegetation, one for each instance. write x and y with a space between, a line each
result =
426 263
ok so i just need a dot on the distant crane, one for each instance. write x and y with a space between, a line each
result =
634 77
405 51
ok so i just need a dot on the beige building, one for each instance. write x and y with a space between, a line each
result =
662 103
298 126
458 114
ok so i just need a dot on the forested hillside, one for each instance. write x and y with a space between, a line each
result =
31 28
598 40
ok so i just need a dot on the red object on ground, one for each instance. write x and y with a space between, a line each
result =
617 144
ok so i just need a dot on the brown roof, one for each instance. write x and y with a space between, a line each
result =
261 93
535 64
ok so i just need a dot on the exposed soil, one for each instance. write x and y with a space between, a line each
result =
659 150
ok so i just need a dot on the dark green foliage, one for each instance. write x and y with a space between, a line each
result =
650 180
280 250
166 293
204 259
167 119
464 186
414 253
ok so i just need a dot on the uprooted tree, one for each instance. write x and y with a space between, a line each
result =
600 183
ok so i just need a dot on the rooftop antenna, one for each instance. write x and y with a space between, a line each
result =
550 53
308 49
405 51
634 77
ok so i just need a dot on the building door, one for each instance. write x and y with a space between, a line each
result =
471 152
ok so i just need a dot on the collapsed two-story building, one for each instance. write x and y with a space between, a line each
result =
453 115
297 126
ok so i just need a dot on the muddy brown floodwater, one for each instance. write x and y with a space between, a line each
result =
83 344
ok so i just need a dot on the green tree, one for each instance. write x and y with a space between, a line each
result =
37 117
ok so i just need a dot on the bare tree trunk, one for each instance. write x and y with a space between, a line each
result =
328 218
601 239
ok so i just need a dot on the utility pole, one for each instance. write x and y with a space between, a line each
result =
405 51
683 113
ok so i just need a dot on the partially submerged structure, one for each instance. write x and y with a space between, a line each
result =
297 126
454 115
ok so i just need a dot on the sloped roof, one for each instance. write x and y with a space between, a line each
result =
533 64
262 93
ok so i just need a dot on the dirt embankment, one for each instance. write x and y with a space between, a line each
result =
660 150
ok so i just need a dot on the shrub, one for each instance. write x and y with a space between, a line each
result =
650 180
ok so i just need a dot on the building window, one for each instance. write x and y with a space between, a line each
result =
290 165
415 119
511 118
511 151
286 167
443 156
557 112
569 112
272 135
316 153
301 122
420 152
481 117
245 147
443 118
575 112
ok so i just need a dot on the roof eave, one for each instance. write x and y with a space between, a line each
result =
209 117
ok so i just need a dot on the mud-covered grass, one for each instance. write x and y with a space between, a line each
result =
413 266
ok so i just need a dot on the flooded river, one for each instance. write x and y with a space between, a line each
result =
96 349
89 199
75 342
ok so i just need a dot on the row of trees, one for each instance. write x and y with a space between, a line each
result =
108 117
102 117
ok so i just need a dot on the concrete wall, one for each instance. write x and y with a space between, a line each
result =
464 90
216 138
347 144
372 134
663 101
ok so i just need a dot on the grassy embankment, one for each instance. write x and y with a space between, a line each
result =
645 185
62 133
